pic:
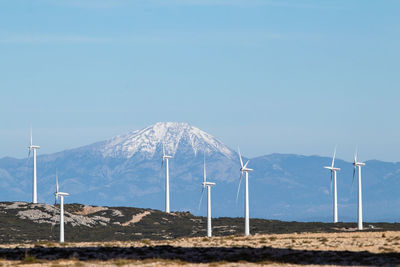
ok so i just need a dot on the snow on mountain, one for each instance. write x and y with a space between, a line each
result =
126 171
173 134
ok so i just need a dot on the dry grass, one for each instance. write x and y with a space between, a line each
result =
359 241
375 243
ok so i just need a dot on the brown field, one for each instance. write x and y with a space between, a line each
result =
329 249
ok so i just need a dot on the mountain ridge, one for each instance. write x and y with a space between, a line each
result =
282 186
169 134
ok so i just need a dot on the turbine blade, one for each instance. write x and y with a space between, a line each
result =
162 163
201 198
57 188
240 181
331 183
204 170
29 156
245 165
354 174
163 150
31 135
57 182
240 157
355 156
333 159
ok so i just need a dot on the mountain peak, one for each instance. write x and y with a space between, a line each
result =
173 135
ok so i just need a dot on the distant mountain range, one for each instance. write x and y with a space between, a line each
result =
126 171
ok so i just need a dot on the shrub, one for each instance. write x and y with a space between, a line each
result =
29 260
146 241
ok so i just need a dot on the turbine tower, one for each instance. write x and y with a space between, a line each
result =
166 158
243 168
208 185
34 184
61 195
333 173
359 165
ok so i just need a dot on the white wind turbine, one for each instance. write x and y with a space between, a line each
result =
359 165
34 184
61 195
208 185
333 173
243 168
166 158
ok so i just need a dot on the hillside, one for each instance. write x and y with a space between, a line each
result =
25 222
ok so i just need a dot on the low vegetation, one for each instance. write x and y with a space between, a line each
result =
21 222
347 248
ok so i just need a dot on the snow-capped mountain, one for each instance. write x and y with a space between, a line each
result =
126 171
148 141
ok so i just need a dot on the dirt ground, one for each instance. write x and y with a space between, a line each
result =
310 249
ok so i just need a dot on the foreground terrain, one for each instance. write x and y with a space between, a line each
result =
123 236
343 249
22 222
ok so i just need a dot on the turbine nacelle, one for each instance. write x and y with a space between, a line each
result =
163 152
358 163
208 184
166 158
243 168
58 193
61 194
332 168
205 183
31 146
246 170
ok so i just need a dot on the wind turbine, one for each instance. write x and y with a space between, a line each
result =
333 173
243 168
34 184
208 185
359 165
61 195
166 158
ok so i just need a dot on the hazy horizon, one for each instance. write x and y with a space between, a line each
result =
338 155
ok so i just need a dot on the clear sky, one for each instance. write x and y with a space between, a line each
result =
272 76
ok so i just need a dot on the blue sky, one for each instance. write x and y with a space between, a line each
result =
272 76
